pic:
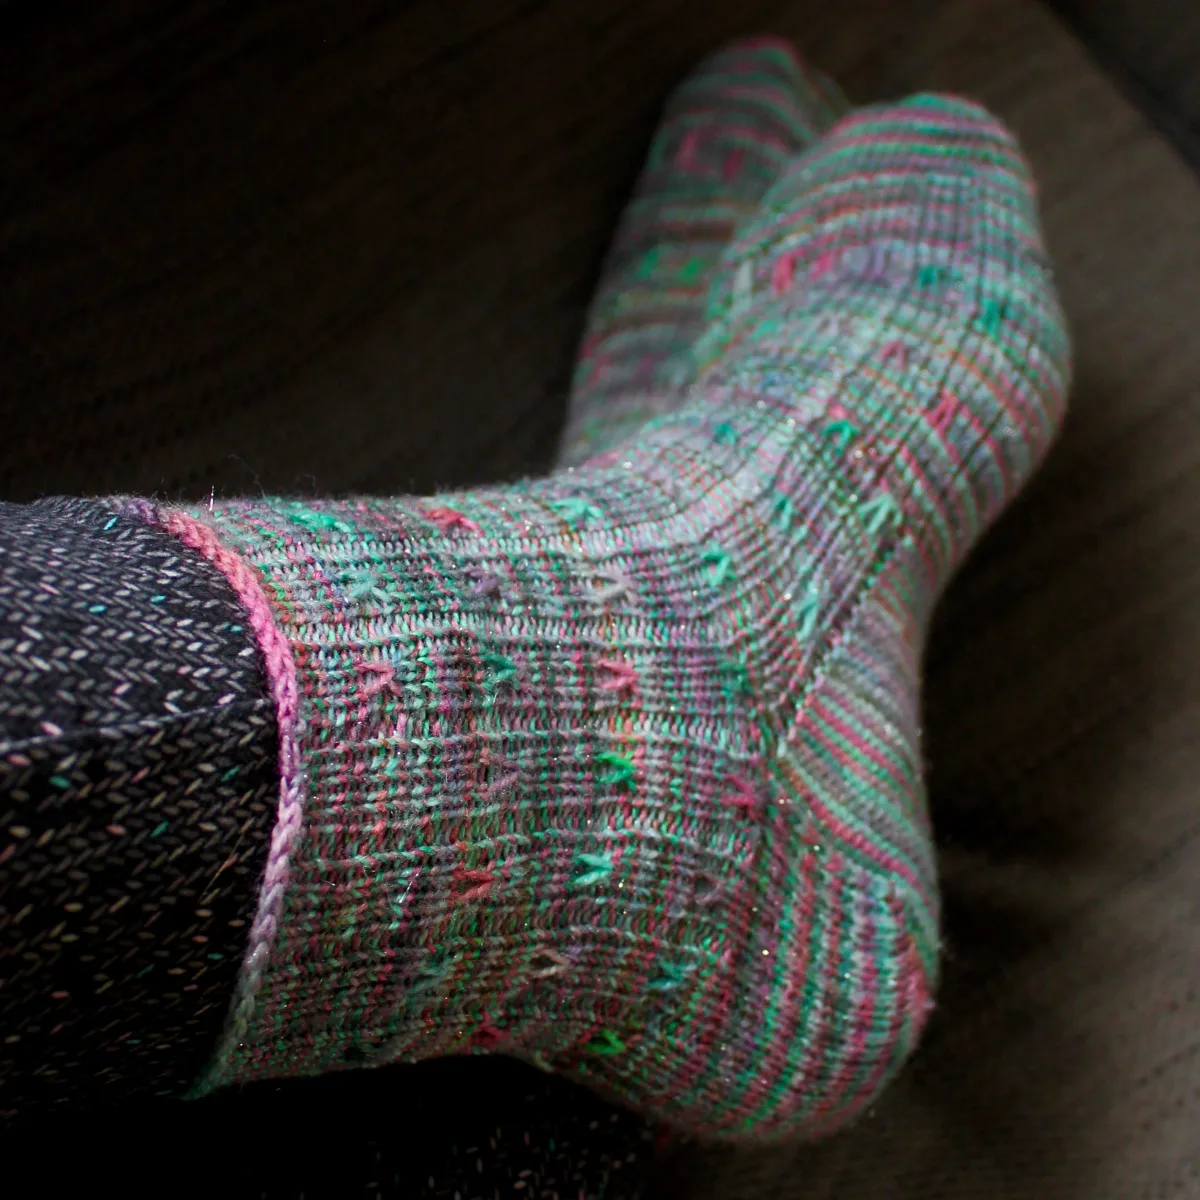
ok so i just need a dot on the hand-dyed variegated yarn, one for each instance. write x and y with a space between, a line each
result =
727 132
619 771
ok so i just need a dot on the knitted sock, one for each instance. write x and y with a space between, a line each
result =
726 133
619 771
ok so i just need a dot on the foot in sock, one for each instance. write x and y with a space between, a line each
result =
619 771
726 133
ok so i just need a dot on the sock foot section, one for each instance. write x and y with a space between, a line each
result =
726 133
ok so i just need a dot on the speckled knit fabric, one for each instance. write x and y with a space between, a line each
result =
137 788
619 771
726 133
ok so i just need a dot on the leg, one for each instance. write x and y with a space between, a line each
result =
138 791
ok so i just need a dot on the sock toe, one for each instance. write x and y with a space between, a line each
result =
904 254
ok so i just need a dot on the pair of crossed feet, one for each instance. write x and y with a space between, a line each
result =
619 770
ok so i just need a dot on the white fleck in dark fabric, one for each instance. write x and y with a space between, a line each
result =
137 793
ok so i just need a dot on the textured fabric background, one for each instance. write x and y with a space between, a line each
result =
277 244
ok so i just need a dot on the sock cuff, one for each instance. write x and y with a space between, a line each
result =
280 667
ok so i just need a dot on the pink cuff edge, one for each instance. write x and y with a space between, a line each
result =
281 673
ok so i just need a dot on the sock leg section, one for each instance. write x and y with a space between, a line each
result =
727 132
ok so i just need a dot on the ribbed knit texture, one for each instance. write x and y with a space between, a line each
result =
726 133
619 771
